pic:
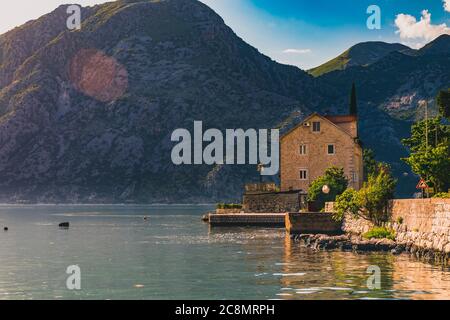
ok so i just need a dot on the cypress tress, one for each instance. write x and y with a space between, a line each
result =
353 105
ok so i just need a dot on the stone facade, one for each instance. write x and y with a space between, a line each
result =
274 202
423 223
306 149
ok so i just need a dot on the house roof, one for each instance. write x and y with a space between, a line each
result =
342 119
331 119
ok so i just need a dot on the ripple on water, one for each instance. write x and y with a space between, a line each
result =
289 274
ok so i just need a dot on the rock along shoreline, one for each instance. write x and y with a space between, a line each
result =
355 243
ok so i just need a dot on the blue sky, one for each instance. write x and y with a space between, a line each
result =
305 33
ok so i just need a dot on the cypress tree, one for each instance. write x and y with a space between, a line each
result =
353 105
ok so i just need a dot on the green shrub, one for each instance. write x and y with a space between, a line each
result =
443 195
229 206
371 201
380 233
400 220
335 179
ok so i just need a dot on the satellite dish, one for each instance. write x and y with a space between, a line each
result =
326 189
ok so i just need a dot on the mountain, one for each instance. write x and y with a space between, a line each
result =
361 54
87 115
441 45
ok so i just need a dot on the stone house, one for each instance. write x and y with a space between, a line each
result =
317 143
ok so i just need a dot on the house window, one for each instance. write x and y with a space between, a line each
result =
303 149
330 149
354 177
316 126
303 174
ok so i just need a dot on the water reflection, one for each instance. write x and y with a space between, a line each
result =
302 273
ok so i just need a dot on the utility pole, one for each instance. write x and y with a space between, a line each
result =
426 125
426 136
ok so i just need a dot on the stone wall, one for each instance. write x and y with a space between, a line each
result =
228 210
247 219
312 222
274 202
424 223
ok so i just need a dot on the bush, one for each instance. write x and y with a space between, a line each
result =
335 179
371 202
380 233
443 195
229 206
347 202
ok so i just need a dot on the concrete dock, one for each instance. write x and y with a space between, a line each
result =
248 219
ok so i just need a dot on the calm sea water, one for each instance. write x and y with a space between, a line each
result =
173 255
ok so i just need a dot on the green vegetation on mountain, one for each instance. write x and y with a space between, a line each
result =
362 54
353 108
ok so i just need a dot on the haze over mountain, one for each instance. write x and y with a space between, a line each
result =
87 115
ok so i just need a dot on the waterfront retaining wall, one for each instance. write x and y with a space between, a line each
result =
276 202
312 222
423 223
229 210
247 219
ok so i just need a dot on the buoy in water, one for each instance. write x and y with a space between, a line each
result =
5 229
64 225
145 218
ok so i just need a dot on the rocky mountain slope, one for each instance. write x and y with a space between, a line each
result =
361 54
87 115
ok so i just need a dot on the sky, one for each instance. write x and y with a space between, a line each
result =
305 33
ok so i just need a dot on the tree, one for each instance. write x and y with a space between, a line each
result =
438 133
432 164
372 201
353 104
335 179
443 102
430 161
370 164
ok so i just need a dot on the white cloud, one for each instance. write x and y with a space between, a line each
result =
447 5
297 51
410 28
